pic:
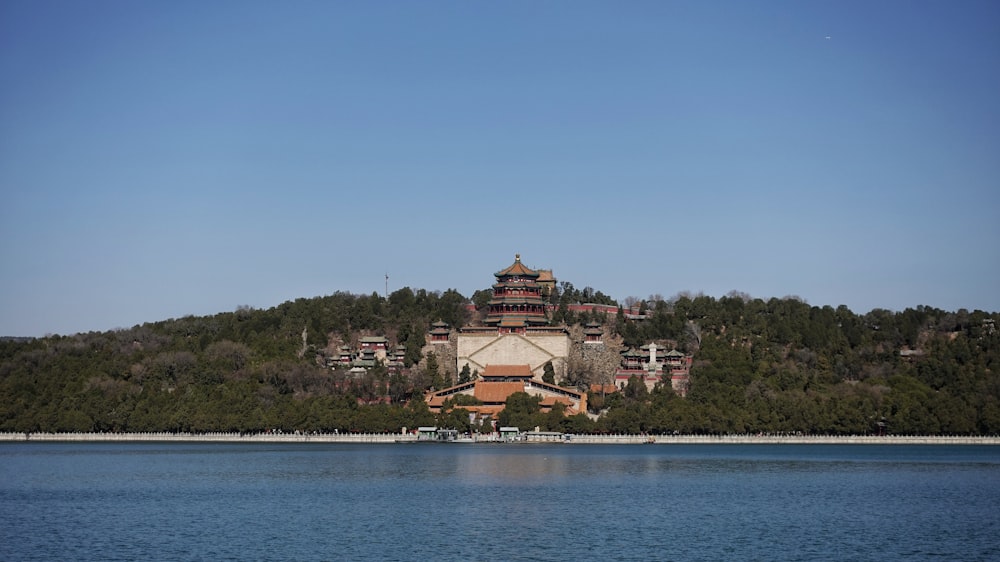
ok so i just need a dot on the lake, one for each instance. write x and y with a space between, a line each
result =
204 501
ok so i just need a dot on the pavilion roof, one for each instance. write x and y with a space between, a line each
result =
550 401
517 268
484 409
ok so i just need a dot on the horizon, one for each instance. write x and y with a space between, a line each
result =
165 160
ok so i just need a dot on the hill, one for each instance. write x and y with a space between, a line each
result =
778 365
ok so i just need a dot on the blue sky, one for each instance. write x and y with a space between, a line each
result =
160 159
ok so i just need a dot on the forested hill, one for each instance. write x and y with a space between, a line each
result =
778 365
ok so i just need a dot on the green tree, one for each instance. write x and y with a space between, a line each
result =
521 411
481 298
635 389
434 372
549 374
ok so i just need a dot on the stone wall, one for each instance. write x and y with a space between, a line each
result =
577 439
480 350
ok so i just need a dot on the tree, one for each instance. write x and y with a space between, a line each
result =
465 375
548 376
399 388
481 298
579 372
419 414
635 389
434 372
521 411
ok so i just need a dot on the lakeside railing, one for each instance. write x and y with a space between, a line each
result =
216 437
302 437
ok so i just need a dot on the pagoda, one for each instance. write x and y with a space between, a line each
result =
517 300
516 330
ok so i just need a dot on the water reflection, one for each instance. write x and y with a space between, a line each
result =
497 502
511 469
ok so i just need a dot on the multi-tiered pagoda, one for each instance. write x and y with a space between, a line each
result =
516 330
517 300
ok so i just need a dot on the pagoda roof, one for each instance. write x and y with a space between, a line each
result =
517 269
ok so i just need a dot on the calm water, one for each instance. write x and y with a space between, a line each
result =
497 502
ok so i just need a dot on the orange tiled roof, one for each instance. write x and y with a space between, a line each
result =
507 371
496 392
492 410
517 268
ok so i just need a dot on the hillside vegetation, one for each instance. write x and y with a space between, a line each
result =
778 365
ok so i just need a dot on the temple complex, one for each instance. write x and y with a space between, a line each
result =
515 329
498 382
651 368
372 351
508 351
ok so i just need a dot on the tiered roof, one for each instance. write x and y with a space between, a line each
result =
516 269
517 299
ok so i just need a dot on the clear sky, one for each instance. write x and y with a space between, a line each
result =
160 159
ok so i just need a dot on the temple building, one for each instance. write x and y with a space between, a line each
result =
440 332
516 329
372 351
498 382
650 367
546 281
517 300
593 334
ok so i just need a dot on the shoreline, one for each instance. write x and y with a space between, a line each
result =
377 438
